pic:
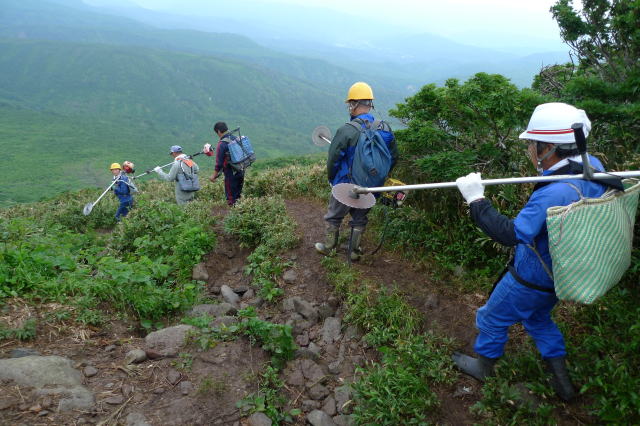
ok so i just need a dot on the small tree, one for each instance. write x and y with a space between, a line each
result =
458 128
605 37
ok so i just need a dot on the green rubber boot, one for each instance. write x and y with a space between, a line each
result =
331 242
356 250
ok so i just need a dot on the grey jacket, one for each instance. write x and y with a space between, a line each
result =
182 197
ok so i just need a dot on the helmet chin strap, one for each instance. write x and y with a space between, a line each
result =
544 157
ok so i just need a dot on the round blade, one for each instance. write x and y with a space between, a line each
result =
321 136
343 192
87 209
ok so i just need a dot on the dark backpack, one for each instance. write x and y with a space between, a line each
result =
372 159
188 181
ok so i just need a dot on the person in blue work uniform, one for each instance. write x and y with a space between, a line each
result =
122 189
525 293
340 160
233 179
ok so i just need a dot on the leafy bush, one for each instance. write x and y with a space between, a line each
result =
165 231
143 267
262 221
290 181
451 131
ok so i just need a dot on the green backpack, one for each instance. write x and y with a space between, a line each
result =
590 243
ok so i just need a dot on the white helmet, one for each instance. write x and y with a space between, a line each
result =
551 123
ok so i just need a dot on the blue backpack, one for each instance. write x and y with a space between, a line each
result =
372 160
241 153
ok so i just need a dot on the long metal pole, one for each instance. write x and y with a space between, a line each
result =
487 182
150 170
105 191
168 164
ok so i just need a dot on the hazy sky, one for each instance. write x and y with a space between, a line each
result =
524 18
447 17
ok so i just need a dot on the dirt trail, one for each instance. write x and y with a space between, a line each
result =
202 386
444 314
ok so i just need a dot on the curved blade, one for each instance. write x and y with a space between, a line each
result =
343 193
321 136
87 209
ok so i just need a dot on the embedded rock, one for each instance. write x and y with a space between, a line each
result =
168 341
49 375
229 295
290 276
200 272
331 330
135 356
259 419
320 418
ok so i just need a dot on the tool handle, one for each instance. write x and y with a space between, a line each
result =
581 141
578 134
105 191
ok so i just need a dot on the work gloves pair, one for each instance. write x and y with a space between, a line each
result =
157 169
471 187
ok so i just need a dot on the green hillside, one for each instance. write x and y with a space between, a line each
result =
43 20
101 88
99 103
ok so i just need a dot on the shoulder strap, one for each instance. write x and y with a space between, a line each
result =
182 170
357 124
381 125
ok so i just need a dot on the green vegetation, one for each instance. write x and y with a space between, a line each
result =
260 223
401 389
268 400
50 252
57 131
26 332
604 37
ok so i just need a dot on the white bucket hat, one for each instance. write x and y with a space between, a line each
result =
551 123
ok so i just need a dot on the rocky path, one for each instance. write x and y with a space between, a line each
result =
109 376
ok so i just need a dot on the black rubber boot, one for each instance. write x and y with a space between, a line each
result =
479 368
560 380
332 241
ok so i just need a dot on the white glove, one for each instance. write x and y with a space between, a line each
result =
157 169
471 187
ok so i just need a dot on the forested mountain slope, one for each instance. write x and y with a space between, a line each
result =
106 103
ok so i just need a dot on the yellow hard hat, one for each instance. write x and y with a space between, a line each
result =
115 166
359 90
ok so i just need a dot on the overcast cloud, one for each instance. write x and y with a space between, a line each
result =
483 21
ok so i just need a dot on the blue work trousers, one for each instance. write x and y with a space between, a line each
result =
510 303
123 209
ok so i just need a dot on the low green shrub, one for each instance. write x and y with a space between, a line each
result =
263 223
401 388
